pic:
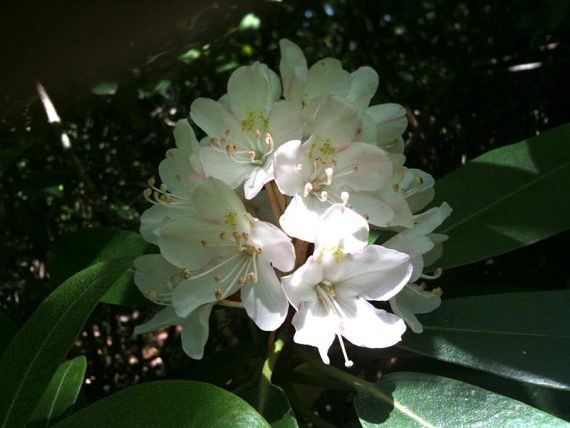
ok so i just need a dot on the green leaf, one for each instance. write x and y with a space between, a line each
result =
420 400
168 403
7 331
61 392
78 250
273 404
523 336
40 346
105 88
507 198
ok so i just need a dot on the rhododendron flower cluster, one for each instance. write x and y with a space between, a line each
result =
307 147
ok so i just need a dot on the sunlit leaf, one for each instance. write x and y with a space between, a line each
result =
421 400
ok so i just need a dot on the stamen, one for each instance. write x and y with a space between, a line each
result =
218 293
222 235
347 363
324 195
252 277
203 242
438 272
269 140
329 174
298 167
437 291
186 273
308 189
257 133
344 198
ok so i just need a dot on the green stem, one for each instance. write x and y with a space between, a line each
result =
267 372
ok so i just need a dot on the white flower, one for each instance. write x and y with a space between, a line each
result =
309 87
317 172
245 128
414 300
224 249
157 279
330 290
180 172
419 240
384 124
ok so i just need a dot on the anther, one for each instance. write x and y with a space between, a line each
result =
269 140
218 278
163 187
257 133
252 277
245 235
204 243
241 281
396 187
186 273
329 174
151 181
366 216
214 141
437 273
419 180
355 168
324 195
298 167
227 133
344 197
308 189
437 291
222 235
147 192
251 155
218 293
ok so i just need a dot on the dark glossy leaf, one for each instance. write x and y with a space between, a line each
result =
78 250
170 403
40 346
420 400
7 330
272 403
60 394
507 198
523 336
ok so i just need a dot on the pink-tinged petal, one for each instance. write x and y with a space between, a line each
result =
214 200
326 77
265 301
413 300
293 70
362 167
219 165
375 210
336 121
185 138
276 246
315 327
289 179
249 91
369 327
214 118
192 243
341 228
376 273
195 330
165 318
299 287
302 216
285 122
258 177
157 215
364 83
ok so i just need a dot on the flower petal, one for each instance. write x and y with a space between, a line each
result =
413 300
153 272
195 330
289 180
315 327
214 199
369 327
336 121
364 83
214 118
276 246
299 287
185 138
301 217
367 204
265 301
164 318
341 228
221 166
157 215
365 167
293 70
285 122
258 177
375 272
390 120
327 77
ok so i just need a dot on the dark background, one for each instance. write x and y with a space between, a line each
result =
473 75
